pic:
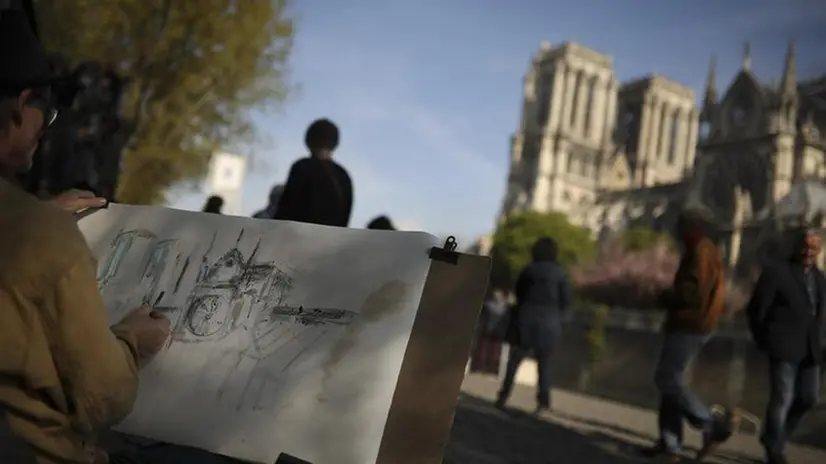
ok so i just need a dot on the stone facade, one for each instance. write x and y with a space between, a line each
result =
611 155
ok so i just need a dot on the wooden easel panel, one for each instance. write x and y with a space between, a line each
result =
421 414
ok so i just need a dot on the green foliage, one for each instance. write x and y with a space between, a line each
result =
515 237
644 238
194 69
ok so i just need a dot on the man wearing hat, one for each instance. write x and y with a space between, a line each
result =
694 305
65 374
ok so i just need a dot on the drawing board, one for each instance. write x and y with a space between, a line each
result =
288 337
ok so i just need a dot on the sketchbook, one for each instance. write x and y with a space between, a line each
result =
327 344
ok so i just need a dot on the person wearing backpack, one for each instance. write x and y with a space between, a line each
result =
318 190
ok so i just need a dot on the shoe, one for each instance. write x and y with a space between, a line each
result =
658 453
708 448
500 403
727 420
542 411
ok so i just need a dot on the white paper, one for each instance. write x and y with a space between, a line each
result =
286 337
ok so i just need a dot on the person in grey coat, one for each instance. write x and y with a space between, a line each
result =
543 293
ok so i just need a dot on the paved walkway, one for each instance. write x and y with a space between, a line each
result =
582 430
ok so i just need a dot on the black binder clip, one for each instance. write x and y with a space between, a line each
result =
285 458
447 253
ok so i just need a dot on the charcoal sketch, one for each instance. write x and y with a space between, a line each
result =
232 292
258 336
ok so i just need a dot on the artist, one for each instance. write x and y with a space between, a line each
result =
64 373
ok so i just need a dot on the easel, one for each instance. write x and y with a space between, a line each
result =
420 414
420 437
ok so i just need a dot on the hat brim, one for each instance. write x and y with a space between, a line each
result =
12 89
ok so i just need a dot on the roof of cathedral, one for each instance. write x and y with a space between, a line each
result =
805 199
657 80
670 190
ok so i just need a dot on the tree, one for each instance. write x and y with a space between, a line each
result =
515 237
194 71
643 238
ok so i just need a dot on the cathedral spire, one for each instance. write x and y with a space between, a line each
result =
711 81
747 56
788 84
710 100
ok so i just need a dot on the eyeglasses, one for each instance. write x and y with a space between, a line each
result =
41 100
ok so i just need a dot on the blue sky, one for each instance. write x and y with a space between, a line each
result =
427 93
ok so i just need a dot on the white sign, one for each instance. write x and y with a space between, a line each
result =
286 337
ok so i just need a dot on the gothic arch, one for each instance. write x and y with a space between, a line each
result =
742 105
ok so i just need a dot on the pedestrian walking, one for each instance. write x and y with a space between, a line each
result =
786 319
543 294
694 306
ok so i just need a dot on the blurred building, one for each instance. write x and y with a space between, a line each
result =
612 155
225 178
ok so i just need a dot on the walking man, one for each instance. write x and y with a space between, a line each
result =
694 305
785 315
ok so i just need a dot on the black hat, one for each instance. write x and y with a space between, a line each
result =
24 63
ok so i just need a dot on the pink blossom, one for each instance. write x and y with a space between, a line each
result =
636 279
628 279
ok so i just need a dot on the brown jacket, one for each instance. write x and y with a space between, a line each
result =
697 299
64 374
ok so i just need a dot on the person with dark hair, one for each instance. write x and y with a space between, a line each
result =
694 306
544 250
214 205
272 203
543 294
381 223
318 190
786 317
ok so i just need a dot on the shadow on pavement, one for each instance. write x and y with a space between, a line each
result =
482 434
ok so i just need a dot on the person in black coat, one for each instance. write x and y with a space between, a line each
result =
785 316
543 294
318 190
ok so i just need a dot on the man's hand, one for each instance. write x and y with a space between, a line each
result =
151 330
75 201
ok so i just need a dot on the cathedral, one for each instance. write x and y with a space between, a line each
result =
612 155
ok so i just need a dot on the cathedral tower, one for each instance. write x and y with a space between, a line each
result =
657 124
568 118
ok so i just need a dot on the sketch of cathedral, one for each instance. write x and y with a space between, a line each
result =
224 292
231 290
612 155
138 260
